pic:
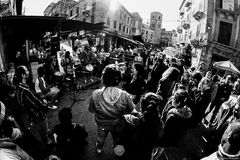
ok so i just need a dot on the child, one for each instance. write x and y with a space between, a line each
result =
69 136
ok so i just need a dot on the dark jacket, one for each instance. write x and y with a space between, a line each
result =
167 82
156 75
176 122
202 101
137 87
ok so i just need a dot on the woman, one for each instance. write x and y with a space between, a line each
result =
109 104
176 118
137 85
143 130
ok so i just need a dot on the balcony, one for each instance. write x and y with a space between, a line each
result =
198 15
186 26
179 30
181 13
226 12
188 3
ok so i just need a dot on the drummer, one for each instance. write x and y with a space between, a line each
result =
44 90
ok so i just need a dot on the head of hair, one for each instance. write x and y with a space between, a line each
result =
197 76
150 102
18 75
65 115
182 96
111 76
140 70
67 54
215 78
231 138
41 71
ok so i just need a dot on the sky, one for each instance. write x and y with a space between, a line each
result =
169 9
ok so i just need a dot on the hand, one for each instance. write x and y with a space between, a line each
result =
45 101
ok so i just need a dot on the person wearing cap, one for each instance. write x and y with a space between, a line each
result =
30 110
229 147
109 104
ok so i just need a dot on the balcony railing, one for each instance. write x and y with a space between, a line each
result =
188 3
198 15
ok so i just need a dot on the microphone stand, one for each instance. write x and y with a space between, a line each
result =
74 98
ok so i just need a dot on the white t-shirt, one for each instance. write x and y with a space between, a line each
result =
37 88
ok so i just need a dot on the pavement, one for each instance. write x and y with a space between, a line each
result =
83 116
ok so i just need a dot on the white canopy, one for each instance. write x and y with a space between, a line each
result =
170 51
226 65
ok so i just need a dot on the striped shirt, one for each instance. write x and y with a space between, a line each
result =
29 104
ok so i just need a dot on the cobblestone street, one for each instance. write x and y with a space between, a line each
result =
82 115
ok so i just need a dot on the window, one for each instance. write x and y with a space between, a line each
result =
152 16
71 13
77 10
146 32
134 23
159 17
127 31
115 24
120 27
224 34
108 21
123 28
128 20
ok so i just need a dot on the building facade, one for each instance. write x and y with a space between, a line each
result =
166 38
119 22
137 24
156 24
148 35
212 27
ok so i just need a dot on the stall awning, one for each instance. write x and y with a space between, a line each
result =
30 26
122 37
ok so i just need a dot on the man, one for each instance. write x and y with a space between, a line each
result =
45 90
109 104
223 93
156 73
67 63
31 111
229 147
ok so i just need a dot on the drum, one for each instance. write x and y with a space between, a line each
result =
54 89
89 67
59 76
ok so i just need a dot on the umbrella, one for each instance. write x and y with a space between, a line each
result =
226 65
170 51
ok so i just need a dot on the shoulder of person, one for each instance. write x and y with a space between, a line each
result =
97 92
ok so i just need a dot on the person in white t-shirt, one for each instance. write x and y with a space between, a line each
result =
45 90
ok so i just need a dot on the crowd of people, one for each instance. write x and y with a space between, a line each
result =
154 107
165 110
